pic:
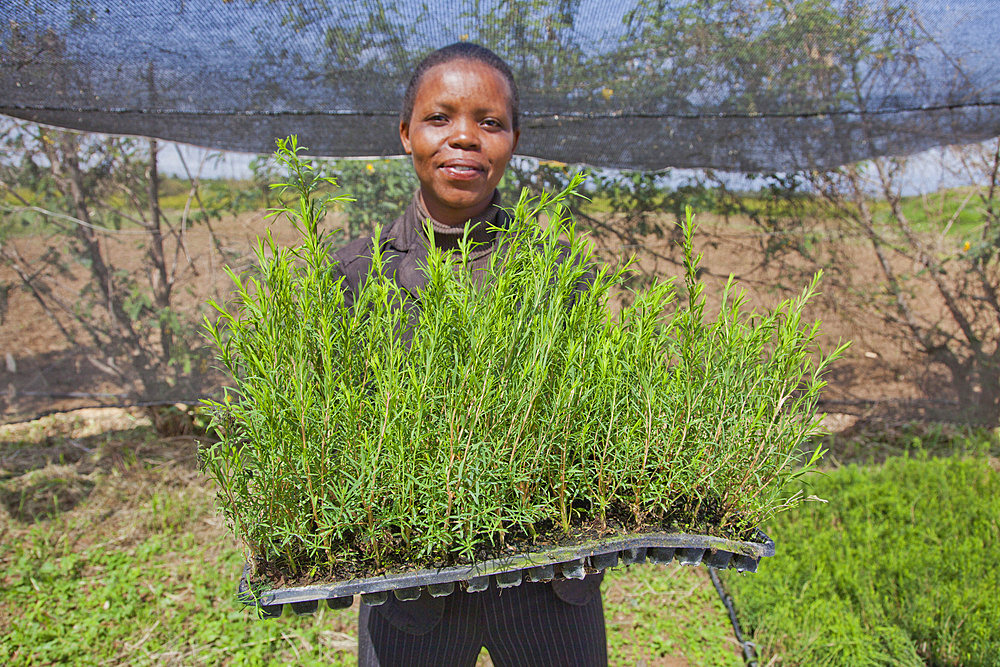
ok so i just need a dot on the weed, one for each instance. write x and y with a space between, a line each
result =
660 613
874 442
44 493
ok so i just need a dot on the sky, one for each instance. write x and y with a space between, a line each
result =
924 173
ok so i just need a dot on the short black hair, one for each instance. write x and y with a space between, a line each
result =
461 51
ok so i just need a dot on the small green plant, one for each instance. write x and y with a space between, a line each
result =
898 569
506 409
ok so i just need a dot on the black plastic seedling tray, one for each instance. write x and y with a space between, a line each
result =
572 562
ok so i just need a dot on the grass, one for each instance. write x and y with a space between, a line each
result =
899 568
931 212
142 571
655 614
166 598
872 442
219 197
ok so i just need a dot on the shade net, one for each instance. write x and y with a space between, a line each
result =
734 85
740 84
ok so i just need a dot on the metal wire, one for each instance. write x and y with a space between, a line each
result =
749 648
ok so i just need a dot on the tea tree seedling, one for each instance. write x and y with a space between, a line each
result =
442 427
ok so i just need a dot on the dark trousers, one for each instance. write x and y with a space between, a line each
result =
526 626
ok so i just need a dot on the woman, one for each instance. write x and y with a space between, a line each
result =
460 125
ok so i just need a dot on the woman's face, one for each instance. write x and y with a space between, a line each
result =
461 137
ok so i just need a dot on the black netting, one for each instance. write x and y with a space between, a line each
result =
730 84
756 86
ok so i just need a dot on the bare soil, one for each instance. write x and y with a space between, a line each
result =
41 372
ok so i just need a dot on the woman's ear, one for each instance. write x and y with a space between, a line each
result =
404 136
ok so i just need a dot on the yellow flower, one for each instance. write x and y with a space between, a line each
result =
606 93
370 167
463 38
966 247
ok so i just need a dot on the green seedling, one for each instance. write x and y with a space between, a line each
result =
505 411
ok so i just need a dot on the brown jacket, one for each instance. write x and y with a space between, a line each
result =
404 245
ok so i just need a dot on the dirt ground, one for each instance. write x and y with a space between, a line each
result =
40 372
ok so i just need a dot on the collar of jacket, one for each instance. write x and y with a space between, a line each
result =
405 235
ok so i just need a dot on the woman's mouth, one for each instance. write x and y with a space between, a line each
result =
462 170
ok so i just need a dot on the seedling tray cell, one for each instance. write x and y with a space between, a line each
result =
570 562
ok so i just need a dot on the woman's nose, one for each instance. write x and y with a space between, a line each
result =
464 134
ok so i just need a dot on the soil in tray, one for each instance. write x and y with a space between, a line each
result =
619 522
